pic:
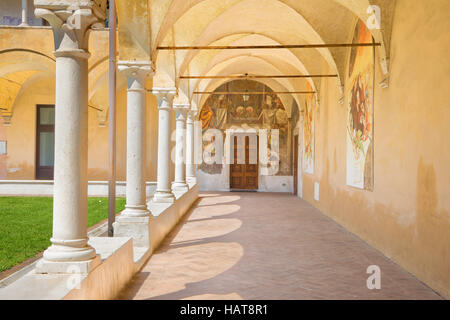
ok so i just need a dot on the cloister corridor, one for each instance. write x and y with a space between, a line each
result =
266 246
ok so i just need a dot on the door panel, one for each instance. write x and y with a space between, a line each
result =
45 142
237 171
251 169
244 176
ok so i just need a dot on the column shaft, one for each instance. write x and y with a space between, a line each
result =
70 247
179 184
190 160
69 241
163 189
136 128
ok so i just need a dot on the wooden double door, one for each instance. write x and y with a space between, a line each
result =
244 169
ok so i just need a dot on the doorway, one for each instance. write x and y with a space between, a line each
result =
45 142
244 170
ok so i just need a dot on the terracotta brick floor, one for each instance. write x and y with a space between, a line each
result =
266 246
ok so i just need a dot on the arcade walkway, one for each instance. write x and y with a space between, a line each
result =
266 246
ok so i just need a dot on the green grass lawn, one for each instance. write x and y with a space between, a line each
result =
26 225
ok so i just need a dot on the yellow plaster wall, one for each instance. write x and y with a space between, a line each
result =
98 141
19 163
21 134
407 216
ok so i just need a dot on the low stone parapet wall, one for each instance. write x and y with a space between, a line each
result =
45 188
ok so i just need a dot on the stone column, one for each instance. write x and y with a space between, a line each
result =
190 155
70 247
163 190
24 13
180 184
137 73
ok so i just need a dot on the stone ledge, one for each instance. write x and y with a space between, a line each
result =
117 263
45 188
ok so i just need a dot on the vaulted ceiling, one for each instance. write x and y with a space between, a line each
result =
246 23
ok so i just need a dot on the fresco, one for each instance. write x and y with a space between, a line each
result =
259 111
360 112
309 132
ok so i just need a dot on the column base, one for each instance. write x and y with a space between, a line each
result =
180 187
163 197
136 227
67 267
136 211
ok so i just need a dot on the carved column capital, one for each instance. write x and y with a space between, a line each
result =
165 97
192 114
136 69
181 111
71 22
136 72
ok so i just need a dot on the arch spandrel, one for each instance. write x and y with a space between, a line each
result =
134 30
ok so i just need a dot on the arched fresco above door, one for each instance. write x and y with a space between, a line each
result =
256 108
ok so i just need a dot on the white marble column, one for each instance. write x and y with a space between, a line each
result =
24 13
137 73
180 185
190 155
70 247
163 190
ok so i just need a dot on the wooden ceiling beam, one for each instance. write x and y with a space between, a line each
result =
294 46
247 76
252 92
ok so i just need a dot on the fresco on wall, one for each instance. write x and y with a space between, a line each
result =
360 112
308 132
258 111
294 120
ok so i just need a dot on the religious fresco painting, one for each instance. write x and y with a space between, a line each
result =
294 120
309 132
360 112
257 111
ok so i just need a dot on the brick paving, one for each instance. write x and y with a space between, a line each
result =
266 246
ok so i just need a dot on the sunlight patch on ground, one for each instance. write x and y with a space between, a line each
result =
212 296
205 229
217 200
216 211
175 269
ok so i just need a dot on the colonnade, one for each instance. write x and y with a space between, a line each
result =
69 241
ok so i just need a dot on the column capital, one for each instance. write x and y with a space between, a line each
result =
191 116
136 69
193 113
165 97
181 110
71 22
136 72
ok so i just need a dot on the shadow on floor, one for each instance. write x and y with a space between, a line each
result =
266 246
